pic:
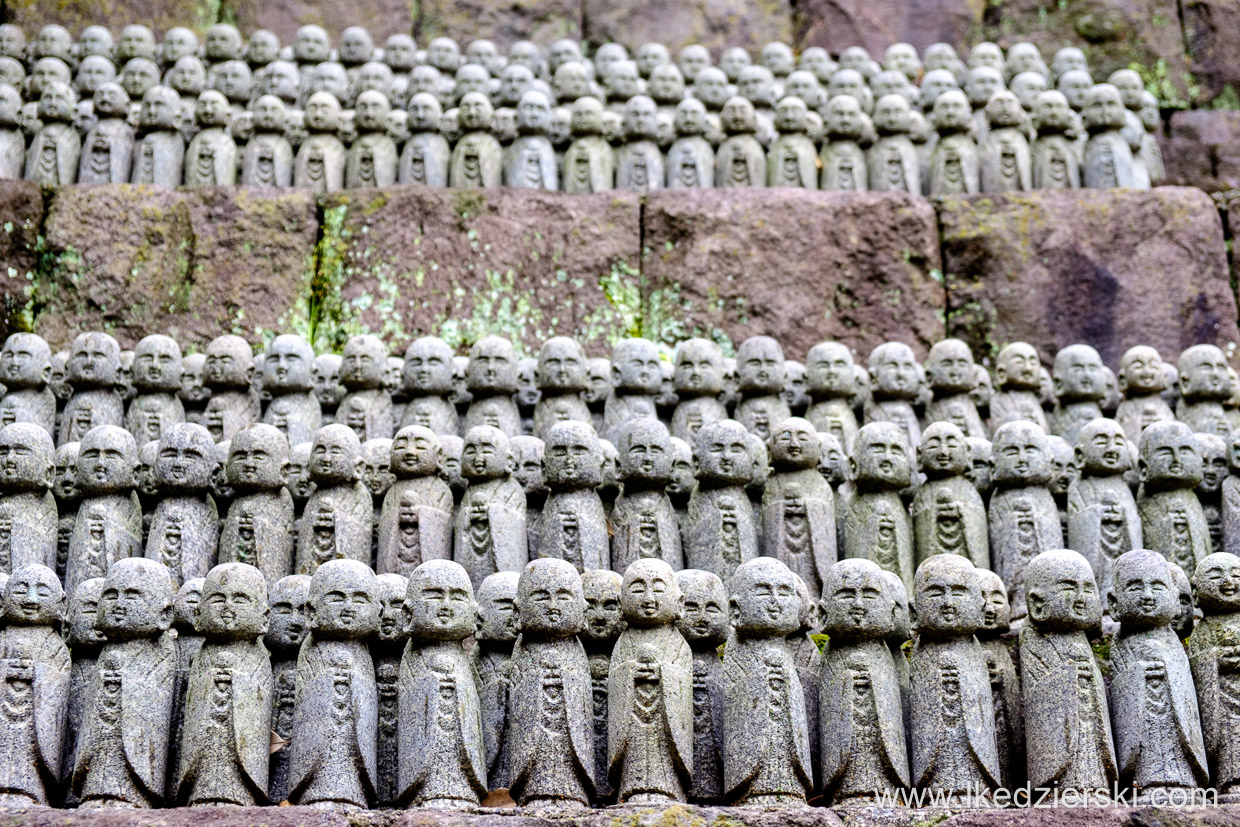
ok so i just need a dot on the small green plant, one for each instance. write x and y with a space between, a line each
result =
1160 82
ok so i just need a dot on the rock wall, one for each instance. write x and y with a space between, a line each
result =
1111 268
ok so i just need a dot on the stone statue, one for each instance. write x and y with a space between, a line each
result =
28 511
604 621
1210 489
156 379
1005 157
428 382
691 159
1103 521
1068 726
386 648
760 367
425 157
415 523
590 162
650 696
949 515
285 633
639 162
798 505
184 533
187 643
895 381
721 532
12 141
766 757
1151 154
952 379
1173 522
704 625
529 162
194 393
1108 160
229 373
740 160
1214 670
573 526
85 642
107 149
442 763
1054 161
490 531
53 157
861 723
477 159
108 526
286 375
366 406
549 713
643 521
267 158
159 154
67 496
892 159
1024 520
1142 380
335 714
491 378
830 380
372 158
1154 715
497 632
211 159
877 526
561 379
954 164
1018 376
1078 390
320 161
339 514
792 160
258 529
1204 386
698 380
123 747
636 378
527 460
92 369
843 160
1004 683
1182 623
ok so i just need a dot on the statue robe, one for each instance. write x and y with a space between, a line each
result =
477 161
159 159
211 160
440 726
425 160
573 527
693 413
762 414
565 407
52 160
150 413
371 161
1211 654
258 530
892 165
184 536
1207 417
878 528
639 166
234 409
1231 514
589 166
28 522
899 411
369 413
227 704
1108 162
622 407
551 722
1137 413
267 161
861 722
1055 163
351 511
650 723
792 161
643 525
1151 155
529 163
415 525
1103 523
34 711
740 162
954 166
319 165
497 411
432 412
1068 418
949 517
89 409
1017 406
1005 161
691 163
1009 714
844 167
1024 522
13 154
708 717
490 661
490 529
123 748
335 724
1067 721
283 704
1174 524
107 153
798 524
960 410
720 533
297 415
835 417
107 528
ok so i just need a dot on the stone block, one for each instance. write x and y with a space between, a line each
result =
21 219
543 21
1109 268
799 265
411 261
876 24
715 24
134 260
382 18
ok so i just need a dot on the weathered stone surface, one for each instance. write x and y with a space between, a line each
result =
464 263
1111 269
797 265
21 217
159 15
715 24
838 24
382 18
542 21
1212 37
1202 149
132 259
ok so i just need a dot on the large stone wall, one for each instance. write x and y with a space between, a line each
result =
1111 268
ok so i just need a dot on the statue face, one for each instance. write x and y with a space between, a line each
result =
343 600
1021 454
1078 373
754 84
234 602
1051 113
698 368
829 370
282 80
363 362
891 114
951 111
564 51
93 360
722 453
111 101
186 457
287 364
1213 463
1018 367
681 482
136 41
258 458
528 453
1203 373
443 54
311 45
1151 117
666 83
640 120
515 81
57 102
844 117
335 455
949 366
1130 87
223 42
598 381
428 367
880 455
649 595
34 597
649 57
705 616
492 366
25 361
299 483
894 370
229 363
645 451
1068 59
475 112
185 604
602 617
1024 57
472 78
846 82
400 52
83 609
622 81
263 48
322 112
794 444
996 614
1075 84
947 595
1102 449
12 74
325 374
93 72
211 109
1027 86
693 60
371 111
1217 583
424 113
571 82
497 607
790 116
573 456
943 451
136 600
1060 593
635 366
935 83
485 454
561 365
415 452
533 113
391 591
64 482
855 601
711 88
234 80
1003 109
26 457
1142 594
450 470
440 602
376 469
1104 108
764 599
356 45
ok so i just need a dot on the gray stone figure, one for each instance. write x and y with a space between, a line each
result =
877 526
372 158
953 720
187 643
12 141
527 459
892 159
1204 386
94 362
1182 623
1214 667
598 389
1151 154
258 528
285 632
184 533
604 621
1154 715
1142 381
720 532
211 159
229 373
691 159
497 632
704 625
28 511
335 716
1108 161
450 466
442 763
643 521
1230 504
415 523
549 713
698 380
954 163
636 379
760 368
1210 489
681 485
157 379
590 162
477 159
1023 517
37 673
319 164
1004 682
194 393
267 158
843 160
339 514
286 372
830 380
766 757
1172 520
1005 157
64 490
862 722
85 642
639 162
108 526
426 154
798 505
123 748
299 484
792 160
529 161
1078 390
366 406
794 392
1103 521
949 515
1018 377
950 373
896 383
386 648
25 368
1063 472
740 160
53 157
1054 161
573 525
428 382
561 378
650 695
491 377
1067 722
490 532
159 154
229 694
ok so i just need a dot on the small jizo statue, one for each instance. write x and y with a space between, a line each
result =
1108 161
497 632
1142 381
12 139
386 648
636 378
1054 161
425 157
1067 721
895 383
184 533
573 526
798 505
491 377
950 374
1216 583
123 749
428 382
740 160
1210 489
230 692
211 159
25 369
156 379
1004 682
1079 387
792 160
1024 520
366 406
721 530
949 515
650 691
442 763
159 155
639 162
697 377
267 158
861 723
108 526
844 164
704 625
892 159
691 159
320 161
877 526
954 164
28 511
36 667
550 710
339 514
831 382
953 718
561 378
258 529
643 521
372 158
760 374
604 622
1005 156
490 531
294 410
1154 714
187 643
1231 497
335 716
1018 375
1172 519
285 632
1103 521
54 154
415 523
92 371
477 159
229 373
766 759
590 162
85 642
1204 386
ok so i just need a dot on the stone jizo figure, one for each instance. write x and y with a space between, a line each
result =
387 648
950 372
267 158
636 378
1018 378
1108 160
85 642
258 529
159 154
497 632
1103 521
428 382
156 379
366 406
704 625
1214 667
895 381
286 372
877 526
792 160
211 159
338 517
490 533
286 630
604 621
108 526
798 505
892 159
949 515
721 532
25 369
91 371
1079 388
844 164
415 523
760 374
1172 519
1004 682
691 159
53 156
1005 157
1054 161
740 160
1203 388
184 532
492 378
228 372
955 167
643 521
561 378
698 381
320 161
372 159
28 511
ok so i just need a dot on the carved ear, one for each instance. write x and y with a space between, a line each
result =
615 376
165 617
46 373
285 467
1000 375
1112 603
510 464
406 616
852 468
1183 384
49 474
1036 605
1122 380
1057 384
1142 472
734 610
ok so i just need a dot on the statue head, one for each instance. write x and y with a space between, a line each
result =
880 456
829 371
856 602
1216 584
1075 84
832 461
550 603
794 445
645 450
135 41
343 602
258 459
996 613
186 458
1203 374
738 117
83 613
1170 456
698 368
1103 108
649 594
1018 367
934 84
64 479
949 367
288 620
497 598
229 363
1078 374
635 366
492 367
485 454
951 113
322 113
1069 58
335 458
760 366
376 470
363 363
721 454
33 596
371 111
106 461
25 361
439 603
704 618
943 452
1026 86
233 605
136 601
1060 592
764 600
1143 593
1213 463
1102 449
415 452
574 457
947 596
1021 455
894 372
